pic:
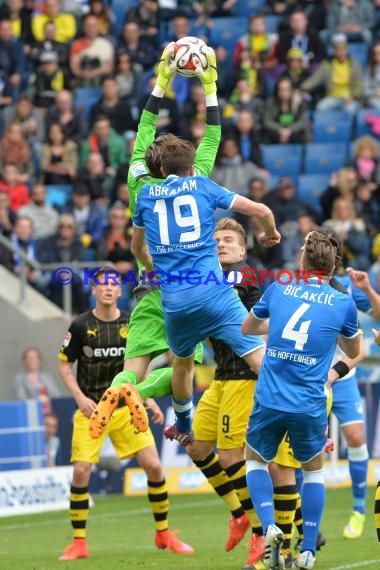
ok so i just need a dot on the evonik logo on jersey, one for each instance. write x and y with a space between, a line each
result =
106 352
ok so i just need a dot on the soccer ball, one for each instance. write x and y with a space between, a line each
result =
190 56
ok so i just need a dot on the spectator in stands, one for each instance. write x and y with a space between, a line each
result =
69 117
342 183
231 170
371 78
65 247
295 69
65 24
91 56
107 142
49 80
365 161
33 383
53 443
257 189
31 119
128 78
12 58
285 116
355 18
122 197
147 17
340 76
43 216
248 84
139 49
352 232
96 179
50 44
111 105
374 270
102 12
169 117
180 27
19 16
15 149
89 217
302 37
59 157
7 216
6 93
247 133
115 246
22 238
11 183
367 205
195 107
263 46
286 205
293 242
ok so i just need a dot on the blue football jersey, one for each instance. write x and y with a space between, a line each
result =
178 217
305 321
360 298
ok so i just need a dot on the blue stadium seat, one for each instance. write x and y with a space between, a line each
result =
283 166
86 97
58 194
336 131
362 126
226 31
281 150
323 117
271 23
324 157
311 186
119 9
248 7
359 52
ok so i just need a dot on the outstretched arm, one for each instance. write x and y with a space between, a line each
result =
361 280
263 215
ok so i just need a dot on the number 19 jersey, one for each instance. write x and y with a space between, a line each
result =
305 321
178 216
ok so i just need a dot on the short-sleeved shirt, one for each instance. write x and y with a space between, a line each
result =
305 323
99 348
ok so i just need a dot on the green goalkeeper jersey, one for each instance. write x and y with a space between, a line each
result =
138 174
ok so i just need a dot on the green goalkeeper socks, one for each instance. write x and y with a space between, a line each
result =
157 384
125 376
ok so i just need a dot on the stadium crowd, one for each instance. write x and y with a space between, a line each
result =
299 90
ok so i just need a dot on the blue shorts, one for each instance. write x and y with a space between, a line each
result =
347 404
267 427
220 316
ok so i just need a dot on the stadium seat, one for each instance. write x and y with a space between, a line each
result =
58 194
334 131
311 186
119 9
86 97
363 126
281 151
324 157
359 52
226 31
248 7
283 166
323 117
271 23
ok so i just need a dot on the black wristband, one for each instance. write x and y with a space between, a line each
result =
341 368
153 104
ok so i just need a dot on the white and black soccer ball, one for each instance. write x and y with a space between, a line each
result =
189 57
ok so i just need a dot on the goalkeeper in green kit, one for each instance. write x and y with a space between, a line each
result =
146 334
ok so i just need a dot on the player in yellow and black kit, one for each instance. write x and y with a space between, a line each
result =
96 340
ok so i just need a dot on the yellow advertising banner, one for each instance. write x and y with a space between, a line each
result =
189 480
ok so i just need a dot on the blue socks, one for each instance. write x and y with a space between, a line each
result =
358 465
260 488
313 498
183 411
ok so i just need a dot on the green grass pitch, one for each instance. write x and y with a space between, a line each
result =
120 536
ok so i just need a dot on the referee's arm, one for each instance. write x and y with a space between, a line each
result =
85 404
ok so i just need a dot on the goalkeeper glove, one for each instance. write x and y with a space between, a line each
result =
164 73
208 78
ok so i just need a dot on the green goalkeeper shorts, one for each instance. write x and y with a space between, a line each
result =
146 330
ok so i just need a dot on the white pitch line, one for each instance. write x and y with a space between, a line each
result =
94 514
356 565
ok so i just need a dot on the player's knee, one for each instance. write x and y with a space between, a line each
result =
153 470
198 451
281 475
81 474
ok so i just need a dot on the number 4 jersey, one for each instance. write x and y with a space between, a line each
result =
305 321
178 217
